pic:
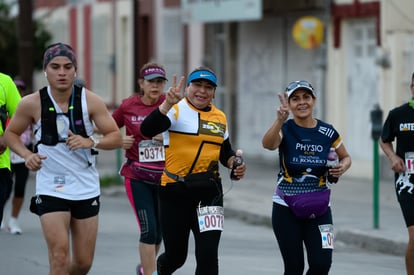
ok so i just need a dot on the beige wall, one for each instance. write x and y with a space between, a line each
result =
395 59
57 20
397 31
397 47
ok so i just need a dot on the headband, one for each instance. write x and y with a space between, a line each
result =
59 49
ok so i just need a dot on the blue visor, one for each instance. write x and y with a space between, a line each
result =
202 75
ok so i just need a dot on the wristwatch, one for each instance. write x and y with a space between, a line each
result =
95 141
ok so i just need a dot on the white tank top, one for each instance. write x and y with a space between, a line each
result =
67 174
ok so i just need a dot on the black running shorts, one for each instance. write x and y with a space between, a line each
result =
80 209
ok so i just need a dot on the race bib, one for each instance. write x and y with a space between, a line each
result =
327 236
150 151
210 218
409 162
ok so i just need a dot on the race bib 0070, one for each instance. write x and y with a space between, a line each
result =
210 218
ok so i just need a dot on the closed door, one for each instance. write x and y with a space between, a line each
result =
363 94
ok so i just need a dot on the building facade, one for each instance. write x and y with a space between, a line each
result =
366 57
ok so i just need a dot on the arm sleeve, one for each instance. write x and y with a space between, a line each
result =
155 123
226 152
387 134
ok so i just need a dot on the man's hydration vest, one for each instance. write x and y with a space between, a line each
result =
48 119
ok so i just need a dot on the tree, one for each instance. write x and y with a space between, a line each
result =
25 41
7 40
4 24
22 42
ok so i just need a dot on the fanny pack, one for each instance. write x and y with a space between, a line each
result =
196 180
149 172
307 205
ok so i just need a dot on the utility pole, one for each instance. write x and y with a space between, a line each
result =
136 42
376 120
25 38
113 57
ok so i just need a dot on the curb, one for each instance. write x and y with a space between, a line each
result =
249 218
371 243
350 237
347 236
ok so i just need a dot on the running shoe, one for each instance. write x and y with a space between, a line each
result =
14 227
140 270
2 226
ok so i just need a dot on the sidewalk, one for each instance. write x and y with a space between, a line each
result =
352 205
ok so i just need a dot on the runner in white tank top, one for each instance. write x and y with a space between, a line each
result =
67 182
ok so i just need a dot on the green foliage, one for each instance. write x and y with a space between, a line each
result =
107 181
42 39
7 30
9 41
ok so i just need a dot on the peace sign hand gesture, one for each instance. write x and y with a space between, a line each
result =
172 96
283 109
273 136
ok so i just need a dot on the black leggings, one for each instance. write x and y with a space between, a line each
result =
21 174
5 187
291 233
178 212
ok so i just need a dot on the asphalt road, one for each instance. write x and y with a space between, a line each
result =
245 249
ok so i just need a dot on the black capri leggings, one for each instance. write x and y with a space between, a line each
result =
21 174
291 233
5 187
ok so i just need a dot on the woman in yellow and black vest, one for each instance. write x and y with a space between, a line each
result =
195 135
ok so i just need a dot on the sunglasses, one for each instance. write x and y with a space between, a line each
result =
299 84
